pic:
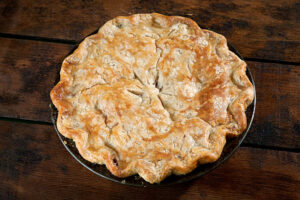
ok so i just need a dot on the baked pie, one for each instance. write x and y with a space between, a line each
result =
152 95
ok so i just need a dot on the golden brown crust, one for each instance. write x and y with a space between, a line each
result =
153 95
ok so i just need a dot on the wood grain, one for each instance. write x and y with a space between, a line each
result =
277 117
35 165
27 73
259 29
28 70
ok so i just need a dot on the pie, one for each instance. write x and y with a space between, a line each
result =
152 95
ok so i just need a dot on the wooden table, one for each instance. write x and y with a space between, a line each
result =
36 36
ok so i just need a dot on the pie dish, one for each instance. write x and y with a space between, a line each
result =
152 95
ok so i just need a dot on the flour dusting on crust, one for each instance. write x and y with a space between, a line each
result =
152 95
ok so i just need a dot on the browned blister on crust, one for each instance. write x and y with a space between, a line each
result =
152 95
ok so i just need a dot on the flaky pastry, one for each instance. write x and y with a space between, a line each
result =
152 95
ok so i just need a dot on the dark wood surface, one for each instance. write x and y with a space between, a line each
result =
35 162
27 73
262 29
36 36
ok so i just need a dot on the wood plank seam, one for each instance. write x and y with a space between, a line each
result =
37 38
269 147
244 144
74 42
11 119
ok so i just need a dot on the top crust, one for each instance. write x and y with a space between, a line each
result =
153 95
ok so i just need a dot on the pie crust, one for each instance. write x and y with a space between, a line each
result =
152 95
